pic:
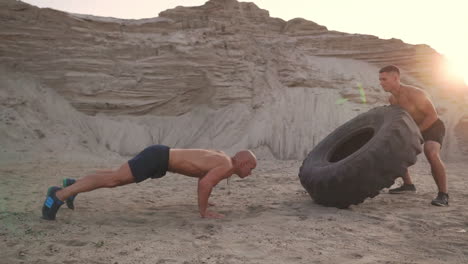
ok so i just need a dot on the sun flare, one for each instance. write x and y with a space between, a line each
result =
457 69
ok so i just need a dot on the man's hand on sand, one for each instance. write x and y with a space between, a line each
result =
214 215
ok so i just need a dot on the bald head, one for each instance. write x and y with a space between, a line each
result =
246 156
245 161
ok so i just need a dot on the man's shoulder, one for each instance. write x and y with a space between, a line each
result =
416 91
218 151
222 158
412 88
221 167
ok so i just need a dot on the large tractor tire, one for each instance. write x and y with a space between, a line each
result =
361 157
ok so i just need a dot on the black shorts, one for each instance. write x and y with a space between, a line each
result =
152 162
435 132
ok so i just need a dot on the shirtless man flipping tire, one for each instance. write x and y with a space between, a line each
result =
417 103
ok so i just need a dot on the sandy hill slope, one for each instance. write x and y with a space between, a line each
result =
223 75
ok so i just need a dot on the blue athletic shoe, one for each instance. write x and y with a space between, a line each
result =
51 204
67 182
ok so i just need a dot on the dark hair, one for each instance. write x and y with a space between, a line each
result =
390 68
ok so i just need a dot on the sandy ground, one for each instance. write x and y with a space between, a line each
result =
269 219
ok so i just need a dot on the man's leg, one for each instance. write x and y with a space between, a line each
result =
99 171
101 179
105 179
432 152
407 179
407 187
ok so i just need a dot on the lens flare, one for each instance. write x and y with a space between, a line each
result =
457 69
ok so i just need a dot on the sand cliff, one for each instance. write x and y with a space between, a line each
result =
223 75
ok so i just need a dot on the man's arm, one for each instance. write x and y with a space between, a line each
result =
430 113
205 186
392 100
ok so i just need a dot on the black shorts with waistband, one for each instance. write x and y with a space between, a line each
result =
435 132
152 162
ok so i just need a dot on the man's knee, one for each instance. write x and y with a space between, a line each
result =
431 154
117 179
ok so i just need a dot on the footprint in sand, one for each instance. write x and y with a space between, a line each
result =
74 243
205 231
255 210
133 220
164 261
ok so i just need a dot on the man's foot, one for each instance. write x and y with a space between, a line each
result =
67 182
441 199
51 204
405 188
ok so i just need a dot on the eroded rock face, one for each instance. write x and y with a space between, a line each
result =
279 80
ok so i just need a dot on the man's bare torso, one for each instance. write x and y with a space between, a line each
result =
410 99
197 162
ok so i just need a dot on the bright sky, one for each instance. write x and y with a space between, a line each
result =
443 25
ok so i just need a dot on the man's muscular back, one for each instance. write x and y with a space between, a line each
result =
197 162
